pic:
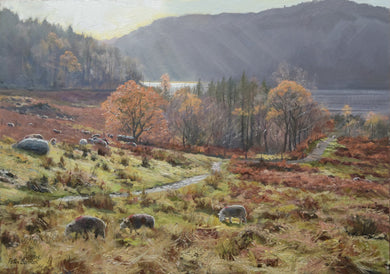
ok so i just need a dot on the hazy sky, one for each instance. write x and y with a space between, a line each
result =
105 19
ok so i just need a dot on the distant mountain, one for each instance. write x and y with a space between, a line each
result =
340 43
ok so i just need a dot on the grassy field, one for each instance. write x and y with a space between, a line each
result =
327 216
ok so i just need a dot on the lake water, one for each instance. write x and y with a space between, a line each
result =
174 85
361 101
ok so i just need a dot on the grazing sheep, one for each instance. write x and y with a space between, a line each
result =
30 124
34 135
86 132
53 141
135 222
237 211
11 124
96 135
83 142
99 141
126 139
84 224
111 136
44 117
57 131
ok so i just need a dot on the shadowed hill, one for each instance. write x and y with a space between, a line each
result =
340 43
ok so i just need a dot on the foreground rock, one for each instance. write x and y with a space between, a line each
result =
37 146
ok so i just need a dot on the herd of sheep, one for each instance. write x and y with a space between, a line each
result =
84 224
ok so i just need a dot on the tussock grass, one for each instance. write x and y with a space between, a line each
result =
281 235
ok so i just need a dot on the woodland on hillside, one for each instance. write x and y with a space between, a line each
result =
37 54
229 113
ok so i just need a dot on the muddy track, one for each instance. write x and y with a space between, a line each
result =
316 154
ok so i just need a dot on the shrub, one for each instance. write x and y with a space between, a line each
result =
165 207
47 162
126 175
176 159
61 163
100 201
228 249
124 161
9 239
73 265
214 180
8 140
73 178
105 166
93 157
145 161
360 226
159 154
146 201
205 204
103 151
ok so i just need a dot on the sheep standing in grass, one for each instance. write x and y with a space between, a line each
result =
135 222
85 224
236 211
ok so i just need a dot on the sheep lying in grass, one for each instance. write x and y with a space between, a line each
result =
85 224
135 222
236 211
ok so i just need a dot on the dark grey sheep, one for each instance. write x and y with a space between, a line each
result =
53 141
236 211
135 222
84 224
126 139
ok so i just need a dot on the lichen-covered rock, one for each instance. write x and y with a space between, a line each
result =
37 146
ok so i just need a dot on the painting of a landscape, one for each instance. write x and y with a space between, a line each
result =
194 136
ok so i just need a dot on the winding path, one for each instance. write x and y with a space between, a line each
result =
216 167
316 154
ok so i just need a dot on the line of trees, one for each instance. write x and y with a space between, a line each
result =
41 55
228 113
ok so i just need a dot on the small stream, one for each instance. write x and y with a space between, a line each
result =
216 167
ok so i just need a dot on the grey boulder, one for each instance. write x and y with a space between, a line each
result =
37 146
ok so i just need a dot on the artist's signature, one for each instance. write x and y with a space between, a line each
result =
31 259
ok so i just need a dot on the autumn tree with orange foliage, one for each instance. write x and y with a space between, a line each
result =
377 125
69 64
294 110
165 85
184 117
136 110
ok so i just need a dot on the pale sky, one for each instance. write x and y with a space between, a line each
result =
106 19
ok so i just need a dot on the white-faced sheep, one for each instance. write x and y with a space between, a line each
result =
236 211
135 222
